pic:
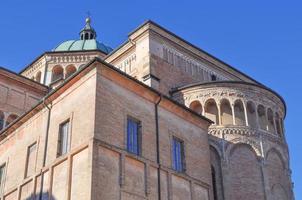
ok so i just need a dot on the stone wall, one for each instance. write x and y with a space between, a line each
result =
122 175
64 177
17 95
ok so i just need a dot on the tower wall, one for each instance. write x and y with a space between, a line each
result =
248 142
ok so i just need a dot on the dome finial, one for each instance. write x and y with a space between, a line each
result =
88 33
88 18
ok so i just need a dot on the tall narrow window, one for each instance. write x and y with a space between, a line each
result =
63 139
2 171
31 160
133 136
178 155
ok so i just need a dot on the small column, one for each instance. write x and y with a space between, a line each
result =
266 120
233 113
245 114
219 113
257 117
275 125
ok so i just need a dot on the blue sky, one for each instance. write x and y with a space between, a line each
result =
260 38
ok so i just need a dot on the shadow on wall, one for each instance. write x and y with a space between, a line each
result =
43 196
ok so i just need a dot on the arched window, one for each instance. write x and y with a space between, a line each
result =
270 118
214 183
251 114
11 118
86 36
70 69
278 125
38 77
239 113
226 113
196 106
57 73
213 77
262 117
1 120
211 111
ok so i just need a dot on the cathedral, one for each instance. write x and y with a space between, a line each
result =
156 118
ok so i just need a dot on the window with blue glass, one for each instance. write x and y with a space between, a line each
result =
133 136
178 155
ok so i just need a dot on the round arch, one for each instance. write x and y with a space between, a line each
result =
196 106
262 117
211 111
278 153
226 112
70 69
251 114
57 73
278 124
243 161
11 118
38 77
270 120
239 113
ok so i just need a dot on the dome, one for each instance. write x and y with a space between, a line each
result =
87 41
82 45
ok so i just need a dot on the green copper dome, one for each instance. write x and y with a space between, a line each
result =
82 45
87 41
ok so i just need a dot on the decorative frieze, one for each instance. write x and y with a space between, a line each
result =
218 131
189 65
233 94
127 65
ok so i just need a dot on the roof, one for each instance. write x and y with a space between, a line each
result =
185 41
46 98
82 45
23 79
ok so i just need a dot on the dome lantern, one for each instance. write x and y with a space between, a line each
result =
86 42
88 33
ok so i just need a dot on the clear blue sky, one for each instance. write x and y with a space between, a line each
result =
260 38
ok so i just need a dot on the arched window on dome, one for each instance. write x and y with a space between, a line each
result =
196 106
70 69
239 113
211 111
251 114
270 119
86 36
57 73
1 120
11 118
262 117
38 77
226 113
